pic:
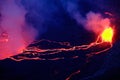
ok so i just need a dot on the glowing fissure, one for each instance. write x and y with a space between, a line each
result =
37 53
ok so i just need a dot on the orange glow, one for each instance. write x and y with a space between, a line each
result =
107 35
20 50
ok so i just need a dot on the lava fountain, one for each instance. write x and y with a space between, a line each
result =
107 35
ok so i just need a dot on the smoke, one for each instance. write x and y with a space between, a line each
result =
93 21
96 23
15 33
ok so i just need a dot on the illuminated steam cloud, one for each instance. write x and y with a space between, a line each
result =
92 22
15 34
96 23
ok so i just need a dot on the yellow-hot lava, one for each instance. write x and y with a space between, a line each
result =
107 35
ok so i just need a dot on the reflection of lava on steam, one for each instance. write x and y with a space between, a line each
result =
13 29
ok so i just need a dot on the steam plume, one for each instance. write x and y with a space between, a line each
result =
92 22
15 34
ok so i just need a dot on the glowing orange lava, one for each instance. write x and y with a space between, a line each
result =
35 53
107 35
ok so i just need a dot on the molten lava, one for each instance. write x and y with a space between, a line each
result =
107 35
